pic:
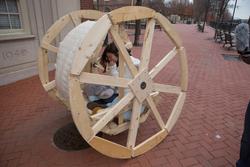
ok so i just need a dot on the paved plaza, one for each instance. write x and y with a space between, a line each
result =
207 134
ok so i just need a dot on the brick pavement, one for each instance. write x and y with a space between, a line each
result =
207 134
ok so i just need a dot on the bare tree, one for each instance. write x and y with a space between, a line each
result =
137 27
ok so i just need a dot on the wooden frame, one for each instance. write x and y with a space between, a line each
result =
89 126
47 46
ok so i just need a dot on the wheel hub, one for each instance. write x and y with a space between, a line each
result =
141 86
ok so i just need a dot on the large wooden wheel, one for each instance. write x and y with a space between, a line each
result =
47 46
141 85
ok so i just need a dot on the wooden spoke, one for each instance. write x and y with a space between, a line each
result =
49 47
134 124
166 88
88 47
147 44
121 69
120 45
176 111
131 13
91 78
155 112
163 63
113 111
49 86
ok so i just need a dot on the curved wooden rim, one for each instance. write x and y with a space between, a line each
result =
46 46
78 107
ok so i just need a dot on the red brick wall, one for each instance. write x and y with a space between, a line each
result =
86 4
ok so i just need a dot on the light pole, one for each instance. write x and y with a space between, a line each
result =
234 11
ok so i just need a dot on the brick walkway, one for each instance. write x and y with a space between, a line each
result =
207 134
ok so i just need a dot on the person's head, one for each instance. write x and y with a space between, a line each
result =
110 55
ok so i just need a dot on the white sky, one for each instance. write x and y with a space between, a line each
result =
242 11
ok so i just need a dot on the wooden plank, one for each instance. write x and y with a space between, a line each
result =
99 79
129 13
77 16
75 19
113 111
134 124
158 67
55 29
166 88
110 149
88 46
120 45
79 109
176 111
86 14
147 44
49 86
124 126
43 66
149 143
49 47
169 29
99 115
121 69
102 112
155 112
184 68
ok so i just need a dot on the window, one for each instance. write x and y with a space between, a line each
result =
14 22
9 15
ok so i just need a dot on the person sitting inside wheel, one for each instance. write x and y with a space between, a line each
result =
100 95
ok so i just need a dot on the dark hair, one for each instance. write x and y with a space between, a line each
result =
110 48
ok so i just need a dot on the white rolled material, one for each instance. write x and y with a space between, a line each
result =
66 54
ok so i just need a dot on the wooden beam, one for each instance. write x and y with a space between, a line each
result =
184 68
75 19
155 112
131 13
79 108
49 47
154 71
176 111
49 86
113 111
43 62
149 143
55 29
120 45
147 44
166 88
110 149
169 29
124 126
88 46
121 69
134 124
87 14
99 79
